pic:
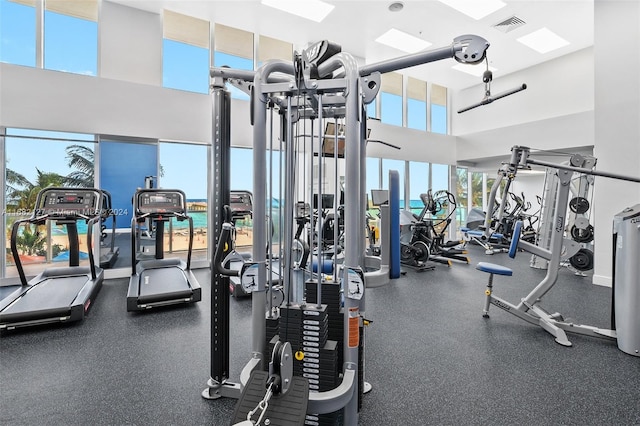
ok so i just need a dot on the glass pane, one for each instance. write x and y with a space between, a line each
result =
461 196
17 33
418 184
242 180
397 165
33 164
416 114
372 110
476 189
191 177
373 176
439 119
70 44
223 59
439 177
391 109
185 67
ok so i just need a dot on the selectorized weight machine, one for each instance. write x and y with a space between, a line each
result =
321 84
626 286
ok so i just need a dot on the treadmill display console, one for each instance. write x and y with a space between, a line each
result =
161 202
71 202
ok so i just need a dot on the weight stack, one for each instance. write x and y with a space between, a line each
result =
272 328
332 297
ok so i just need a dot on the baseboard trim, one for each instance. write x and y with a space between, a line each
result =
602 280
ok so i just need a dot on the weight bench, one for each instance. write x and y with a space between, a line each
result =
493 269
488 244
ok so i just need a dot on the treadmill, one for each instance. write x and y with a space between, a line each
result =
108 255
159 281
61 294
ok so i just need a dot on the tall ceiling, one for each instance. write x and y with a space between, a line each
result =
356 24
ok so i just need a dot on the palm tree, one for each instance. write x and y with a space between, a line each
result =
31 242
21 193
81 158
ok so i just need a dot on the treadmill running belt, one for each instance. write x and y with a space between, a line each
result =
163 284
50 297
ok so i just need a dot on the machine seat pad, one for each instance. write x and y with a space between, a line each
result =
492 268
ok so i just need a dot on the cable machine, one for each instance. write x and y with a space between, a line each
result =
625 314
321 83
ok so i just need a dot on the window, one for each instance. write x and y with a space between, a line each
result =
233 48
416 104
71 36
391 99
418 184
184 166
439 177
18 32
462 191
185 53
438 109
35 160
241 179
476 189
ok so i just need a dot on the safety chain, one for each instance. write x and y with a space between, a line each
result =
262 405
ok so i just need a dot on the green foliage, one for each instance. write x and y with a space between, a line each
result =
31 242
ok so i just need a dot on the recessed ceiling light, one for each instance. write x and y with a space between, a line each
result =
477 9
403 41
474 70
544 40
314 10
396 6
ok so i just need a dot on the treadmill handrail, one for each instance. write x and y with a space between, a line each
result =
14 249
37 218
139 216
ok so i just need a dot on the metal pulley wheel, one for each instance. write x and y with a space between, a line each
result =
579 205
582 260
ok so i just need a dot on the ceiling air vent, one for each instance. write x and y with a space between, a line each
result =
509 24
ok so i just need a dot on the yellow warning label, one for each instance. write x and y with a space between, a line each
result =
354 328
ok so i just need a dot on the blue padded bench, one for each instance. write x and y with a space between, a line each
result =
492 269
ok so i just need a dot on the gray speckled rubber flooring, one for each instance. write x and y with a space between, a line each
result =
431 358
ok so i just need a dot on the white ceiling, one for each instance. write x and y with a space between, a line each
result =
356 24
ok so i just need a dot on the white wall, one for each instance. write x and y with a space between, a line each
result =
555 88
617 122
555 112
53 100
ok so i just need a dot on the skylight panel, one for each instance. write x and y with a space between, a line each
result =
314 10
476 9
543 40
403 41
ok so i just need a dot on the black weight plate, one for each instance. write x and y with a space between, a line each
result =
582 260
579 205
582 235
